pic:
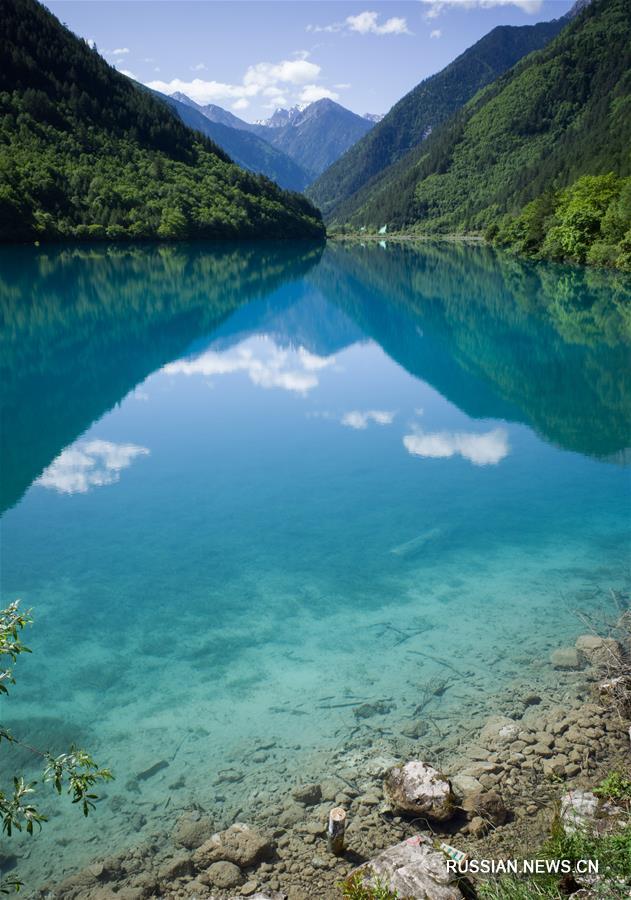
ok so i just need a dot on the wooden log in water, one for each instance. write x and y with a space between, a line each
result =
335 831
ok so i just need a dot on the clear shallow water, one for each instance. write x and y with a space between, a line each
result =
248 489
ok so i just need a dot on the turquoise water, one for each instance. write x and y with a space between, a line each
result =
248 489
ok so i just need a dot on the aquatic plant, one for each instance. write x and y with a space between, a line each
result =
75 771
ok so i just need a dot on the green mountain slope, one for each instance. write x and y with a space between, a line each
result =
426 107
247 149
562 112
85 154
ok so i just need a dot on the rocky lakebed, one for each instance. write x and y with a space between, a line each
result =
490 789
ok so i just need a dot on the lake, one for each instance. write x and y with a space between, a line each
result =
272 504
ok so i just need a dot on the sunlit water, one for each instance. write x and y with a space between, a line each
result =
248 489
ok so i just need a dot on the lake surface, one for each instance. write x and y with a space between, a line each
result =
269 504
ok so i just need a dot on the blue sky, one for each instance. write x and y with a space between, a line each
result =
251 56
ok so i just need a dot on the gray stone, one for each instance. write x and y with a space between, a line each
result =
307 794
465 784
239 844
413 869
223 875
415 729
578 810
191 830
499 730
418 789
176 868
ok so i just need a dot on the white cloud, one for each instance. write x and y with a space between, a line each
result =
91 43
120 51
480 449
312 92
242 103
289 71
342 87
436 7
198 68
359 420
89 464
127 73
262 79
265 364
436 33
365 23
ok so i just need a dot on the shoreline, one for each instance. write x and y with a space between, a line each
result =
568 739
401 238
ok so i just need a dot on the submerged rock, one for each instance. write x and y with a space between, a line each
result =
499 730
307 794
192 829
419 789
565 658
599 651
239 844
413 868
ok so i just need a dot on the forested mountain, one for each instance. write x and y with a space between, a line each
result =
247 149
86 154
427 106
317 135
561 113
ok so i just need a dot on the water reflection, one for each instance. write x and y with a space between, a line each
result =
543 345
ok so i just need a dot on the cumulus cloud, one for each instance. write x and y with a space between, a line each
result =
120 51
436 7
365 23
359 419
265 364
298 75
368 23
241 104
312 92
436 33
89 464
127 73
480 449
198 68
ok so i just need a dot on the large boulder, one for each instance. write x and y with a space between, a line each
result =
418 789
239 844
412 869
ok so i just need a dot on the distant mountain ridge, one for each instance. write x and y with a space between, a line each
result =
312 135
316 135
246 148
424 108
